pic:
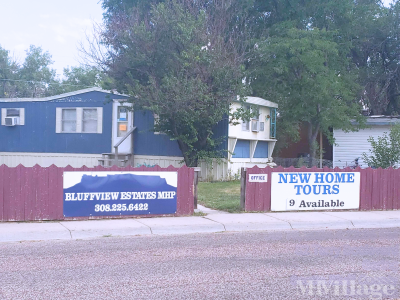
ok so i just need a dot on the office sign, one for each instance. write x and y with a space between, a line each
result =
292 191
258 177
119 193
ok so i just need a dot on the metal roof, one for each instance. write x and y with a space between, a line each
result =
381 120
259 101
65 95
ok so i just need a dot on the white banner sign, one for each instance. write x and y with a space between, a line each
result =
315 190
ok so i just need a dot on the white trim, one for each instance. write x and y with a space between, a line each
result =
79 116
253 139
58 119
3 116
249 160
231 146
100 120
253 146
21 116
126 146
94 89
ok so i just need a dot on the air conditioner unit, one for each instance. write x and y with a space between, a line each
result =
255 126
11 121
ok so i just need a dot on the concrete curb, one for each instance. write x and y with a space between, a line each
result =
15 232
101 228
249 222
212 223
369 219
312 220
182 225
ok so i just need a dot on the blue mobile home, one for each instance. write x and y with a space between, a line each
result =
83 128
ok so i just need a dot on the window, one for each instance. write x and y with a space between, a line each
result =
261 126
79 120
18 113
246 124
12 112
156 122
122 120
255 110
261 150
242 149
69 120
89 123
273 123
254 125
256 114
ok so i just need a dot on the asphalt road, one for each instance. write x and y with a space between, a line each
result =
334 264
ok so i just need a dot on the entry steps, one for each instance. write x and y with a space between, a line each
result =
108 160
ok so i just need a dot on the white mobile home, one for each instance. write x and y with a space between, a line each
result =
91 127
351 145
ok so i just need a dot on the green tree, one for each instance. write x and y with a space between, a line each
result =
8 74
375 41
365 33
304 71
82 77
34 78
35 75
184 62
385 151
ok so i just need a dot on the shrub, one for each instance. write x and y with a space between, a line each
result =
385 151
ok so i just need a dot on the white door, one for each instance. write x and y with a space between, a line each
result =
122 123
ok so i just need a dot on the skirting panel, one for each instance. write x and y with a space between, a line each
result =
162 161
29 159
209 171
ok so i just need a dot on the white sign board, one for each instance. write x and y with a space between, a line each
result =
258 177
315 190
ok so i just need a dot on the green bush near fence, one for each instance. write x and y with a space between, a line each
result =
220 195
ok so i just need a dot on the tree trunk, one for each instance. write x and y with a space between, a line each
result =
312 135
189 157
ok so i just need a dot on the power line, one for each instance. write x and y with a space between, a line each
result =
42 82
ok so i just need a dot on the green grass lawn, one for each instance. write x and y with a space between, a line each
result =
220 195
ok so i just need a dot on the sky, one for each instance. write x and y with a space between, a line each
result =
58 26
55 25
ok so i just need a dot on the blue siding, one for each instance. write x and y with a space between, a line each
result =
261 150
39 132
148 143
242 149
221 133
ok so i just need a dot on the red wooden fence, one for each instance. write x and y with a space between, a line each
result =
36 193
379 188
